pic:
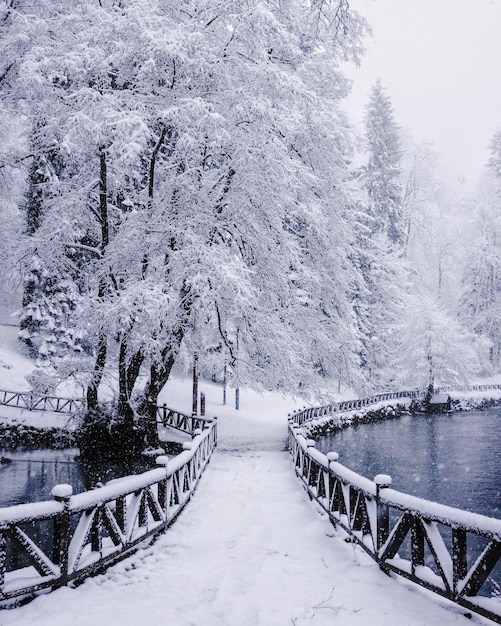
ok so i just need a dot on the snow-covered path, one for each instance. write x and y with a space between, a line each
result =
249 550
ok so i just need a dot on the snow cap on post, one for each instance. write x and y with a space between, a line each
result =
382 480
332 456
62 492
162 460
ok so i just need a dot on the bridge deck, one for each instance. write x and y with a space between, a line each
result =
250 550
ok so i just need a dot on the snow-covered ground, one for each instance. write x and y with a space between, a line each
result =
250 549
14 365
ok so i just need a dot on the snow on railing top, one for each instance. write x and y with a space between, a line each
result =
351 405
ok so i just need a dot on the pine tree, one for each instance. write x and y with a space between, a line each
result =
380 296
382 172
480 304
45 319
494 162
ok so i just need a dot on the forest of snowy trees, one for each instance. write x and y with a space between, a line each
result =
181 179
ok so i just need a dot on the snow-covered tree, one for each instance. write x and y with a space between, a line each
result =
378 255
46 324
381 175
47 315
494 162
204 192
480 303
434 349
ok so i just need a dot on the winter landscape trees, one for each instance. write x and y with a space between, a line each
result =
480 305
198 152
189 189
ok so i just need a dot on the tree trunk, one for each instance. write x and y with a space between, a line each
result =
102 349
144 432
160 370
97 375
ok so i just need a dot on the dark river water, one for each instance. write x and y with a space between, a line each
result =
453 458
29 476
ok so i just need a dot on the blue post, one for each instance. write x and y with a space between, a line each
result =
224 385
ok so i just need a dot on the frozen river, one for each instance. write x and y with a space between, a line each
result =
453 458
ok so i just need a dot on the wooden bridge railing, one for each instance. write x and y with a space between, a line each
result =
349 405
33 402
179 421
46 545
446 550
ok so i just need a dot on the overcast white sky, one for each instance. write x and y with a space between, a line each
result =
440 61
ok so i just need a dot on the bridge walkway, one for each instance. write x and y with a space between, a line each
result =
249 550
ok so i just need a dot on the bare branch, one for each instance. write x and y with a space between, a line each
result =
81 246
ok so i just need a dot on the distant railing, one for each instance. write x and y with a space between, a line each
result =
452 552
179 421
33 402
46 545
351 405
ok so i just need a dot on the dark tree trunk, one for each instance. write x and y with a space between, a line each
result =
160 370
102 347
97 375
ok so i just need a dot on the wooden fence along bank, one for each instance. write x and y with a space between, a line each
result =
446 550
89 531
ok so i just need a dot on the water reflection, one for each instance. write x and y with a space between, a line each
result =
453 458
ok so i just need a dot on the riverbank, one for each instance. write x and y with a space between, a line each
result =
392 409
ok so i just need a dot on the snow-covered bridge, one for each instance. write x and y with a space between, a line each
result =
250 550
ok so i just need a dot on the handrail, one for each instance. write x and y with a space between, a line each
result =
349 405
87 532
179 421
33 402
430 544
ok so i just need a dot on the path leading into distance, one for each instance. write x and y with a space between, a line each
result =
250 549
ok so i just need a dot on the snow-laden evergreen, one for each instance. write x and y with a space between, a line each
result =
480 306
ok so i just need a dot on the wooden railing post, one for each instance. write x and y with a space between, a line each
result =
3 558
459 557
62 493
121 513
310 466
417 544
194 410
382 481
163 461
